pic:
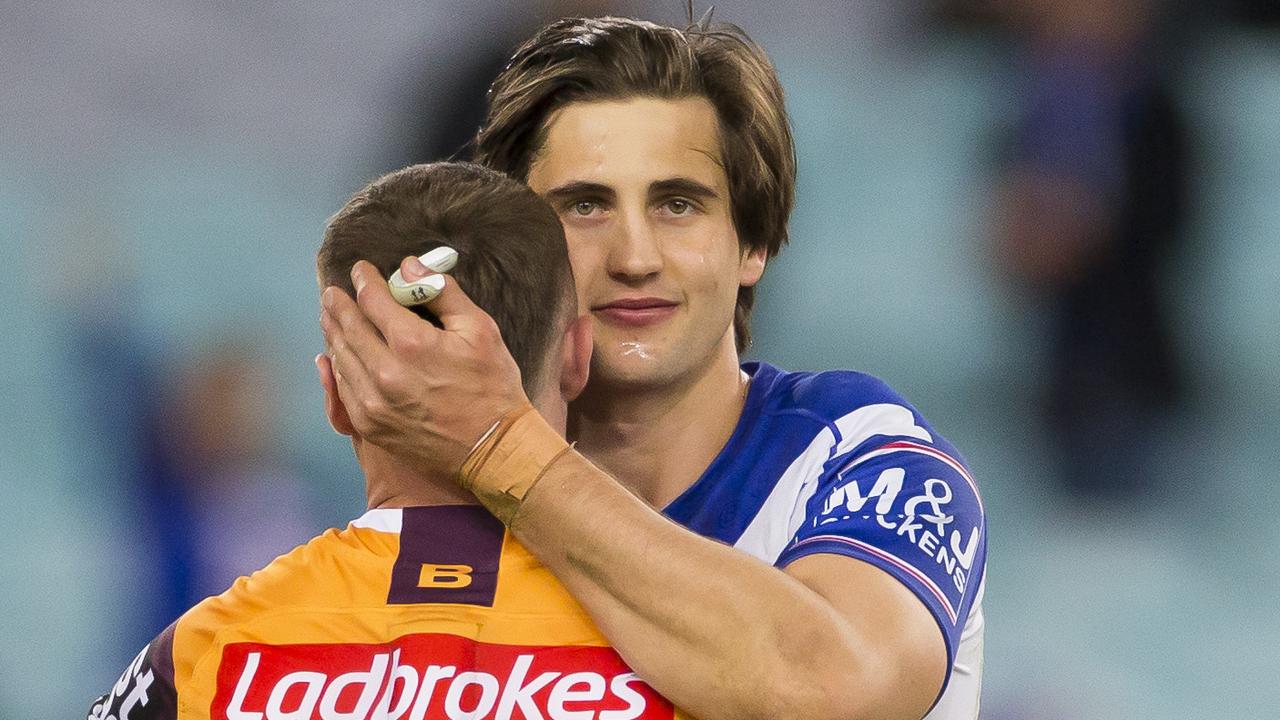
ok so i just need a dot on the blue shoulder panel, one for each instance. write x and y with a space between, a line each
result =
838 462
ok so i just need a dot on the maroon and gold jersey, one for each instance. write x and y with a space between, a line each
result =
416 614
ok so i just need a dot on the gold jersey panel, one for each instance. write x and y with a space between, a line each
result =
416 614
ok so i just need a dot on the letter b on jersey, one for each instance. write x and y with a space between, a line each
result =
444 576
466 537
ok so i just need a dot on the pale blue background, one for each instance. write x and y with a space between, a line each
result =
197 150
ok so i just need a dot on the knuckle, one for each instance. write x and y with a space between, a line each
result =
489 331
386 377
408 340
374 409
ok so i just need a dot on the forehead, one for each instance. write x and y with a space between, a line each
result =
634 140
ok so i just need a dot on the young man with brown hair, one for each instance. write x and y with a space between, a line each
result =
853 587
424 607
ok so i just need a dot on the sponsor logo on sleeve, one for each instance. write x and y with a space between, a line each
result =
430 677
919 527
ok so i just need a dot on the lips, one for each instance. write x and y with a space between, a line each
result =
635 312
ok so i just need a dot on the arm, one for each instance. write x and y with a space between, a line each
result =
719 633
145 690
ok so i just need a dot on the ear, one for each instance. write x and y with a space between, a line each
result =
751 268
333 407
575 358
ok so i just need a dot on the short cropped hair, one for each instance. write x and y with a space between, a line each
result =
592 59
512 257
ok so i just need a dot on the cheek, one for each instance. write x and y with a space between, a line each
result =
711 266
586 258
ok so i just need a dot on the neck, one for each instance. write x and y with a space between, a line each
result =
658 440
390 484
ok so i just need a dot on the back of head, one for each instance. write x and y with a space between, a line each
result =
512 257
599 59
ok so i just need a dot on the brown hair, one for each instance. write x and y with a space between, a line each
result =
584 59
512 257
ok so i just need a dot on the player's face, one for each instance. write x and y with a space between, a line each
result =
644 199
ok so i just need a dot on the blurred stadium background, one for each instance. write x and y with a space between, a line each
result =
166 169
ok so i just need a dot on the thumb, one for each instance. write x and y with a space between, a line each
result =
440 260
417 279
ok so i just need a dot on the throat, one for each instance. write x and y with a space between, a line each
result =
658 444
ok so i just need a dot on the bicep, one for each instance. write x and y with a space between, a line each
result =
894 538
894 626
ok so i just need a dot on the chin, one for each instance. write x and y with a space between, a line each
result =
643 366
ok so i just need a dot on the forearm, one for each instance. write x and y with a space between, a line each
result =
718 632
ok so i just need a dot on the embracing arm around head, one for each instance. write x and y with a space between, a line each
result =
718 632
721 633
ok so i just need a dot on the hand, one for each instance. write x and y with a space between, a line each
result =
424 394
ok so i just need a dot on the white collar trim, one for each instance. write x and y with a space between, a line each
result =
387 520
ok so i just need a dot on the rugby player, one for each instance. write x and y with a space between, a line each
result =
424 606
756 543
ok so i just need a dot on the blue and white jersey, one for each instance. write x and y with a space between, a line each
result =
837 462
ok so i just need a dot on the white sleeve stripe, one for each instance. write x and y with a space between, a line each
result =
889 558
782 512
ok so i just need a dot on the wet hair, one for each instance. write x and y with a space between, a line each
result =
599 59
512 257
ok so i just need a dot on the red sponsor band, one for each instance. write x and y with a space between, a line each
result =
430 677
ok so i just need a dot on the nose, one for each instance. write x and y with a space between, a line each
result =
636 250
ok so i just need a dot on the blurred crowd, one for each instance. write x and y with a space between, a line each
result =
1037 217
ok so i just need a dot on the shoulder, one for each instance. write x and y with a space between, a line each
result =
314 573
275 584
829 392
891 492
856 407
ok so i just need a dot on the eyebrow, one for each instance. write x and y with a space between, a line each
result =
670 186
683 186
578 188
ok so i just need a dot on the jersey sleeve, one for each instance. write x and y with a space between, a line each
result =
145 690
910 508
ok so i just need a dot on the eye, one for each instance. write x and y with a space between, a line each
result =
584 207
679 207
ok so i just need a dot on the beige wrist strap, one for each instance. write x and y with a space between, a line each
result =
510 459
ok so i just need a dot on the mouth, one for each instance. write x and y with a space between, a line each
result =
635 312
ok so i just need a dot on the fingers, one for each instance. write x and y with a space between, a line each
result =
440 260
344 367
449 303
401 328
351 340
412 269
414 283
411 293
324 366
